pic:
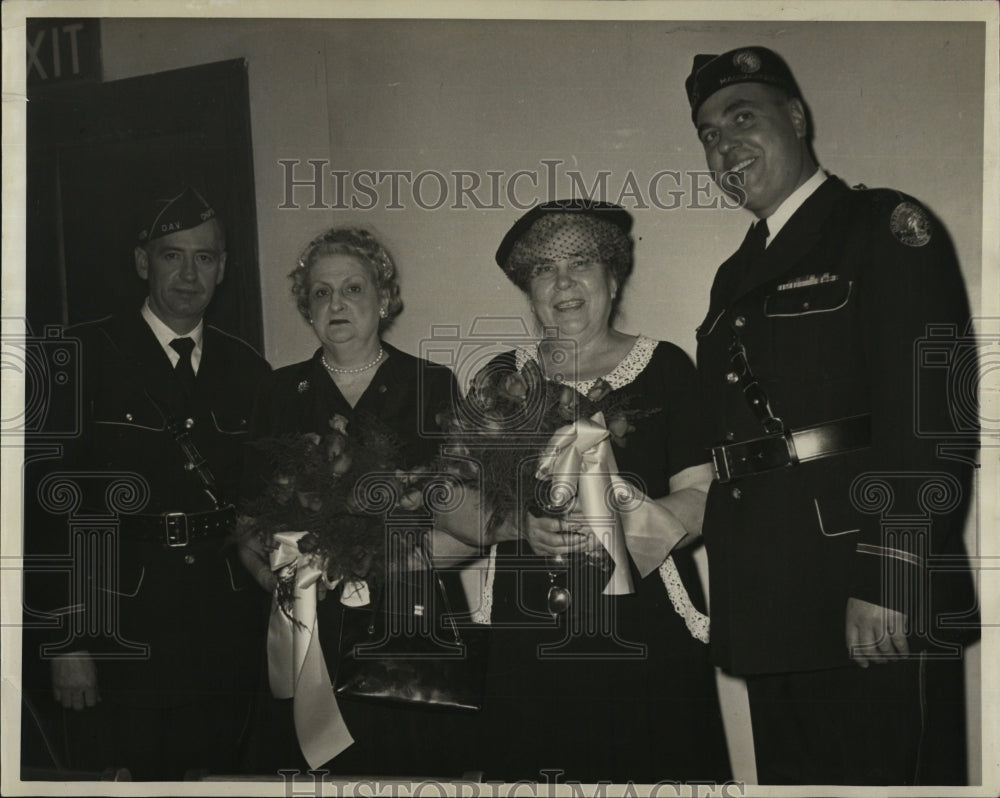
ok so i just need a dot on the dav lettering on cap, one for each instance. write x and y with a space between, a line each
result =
181 211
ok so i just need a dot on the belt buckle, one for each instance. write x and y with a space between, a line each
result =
175 523
720 463
770 453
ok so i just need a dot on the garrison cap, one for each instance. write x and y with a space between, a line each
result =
607 211
176 210
709 73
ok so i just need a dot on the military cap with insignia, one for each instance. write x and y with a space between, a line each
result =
709 73
173 211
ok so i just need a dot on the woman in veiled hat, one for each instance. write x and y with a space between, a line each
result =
597 686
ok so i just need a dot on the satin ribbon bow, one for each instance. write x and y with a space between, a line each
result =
580 461
295 665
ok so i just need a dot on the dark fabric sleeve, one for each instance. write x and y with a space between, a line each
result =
263 423
683 410
915 303
439 393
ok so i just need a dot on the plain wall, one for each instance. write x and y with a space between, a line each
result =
893 104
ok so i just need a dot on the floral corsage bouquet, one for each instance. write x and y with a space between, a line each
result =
322 519
322 514
534 445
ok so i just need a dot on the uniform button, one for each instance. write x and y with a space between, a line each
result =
737 493
189 422
732 378
129 416
805 306
730 436
740 322
189 559
382 389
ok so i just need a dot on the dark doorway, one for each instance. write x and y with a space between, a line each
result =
96 152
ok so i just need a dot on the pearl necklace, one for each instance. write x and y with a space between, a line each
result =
358 370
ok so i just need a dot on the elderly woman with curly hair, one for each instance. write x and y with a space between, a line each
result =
345 286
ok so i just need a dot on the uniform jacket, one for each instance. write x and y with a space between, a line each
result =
835 324
193 606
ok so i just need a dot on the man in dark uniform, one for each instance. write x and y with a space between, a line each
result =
160 651
834 527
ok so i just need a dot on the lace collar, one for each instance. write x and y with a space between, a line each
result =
630 366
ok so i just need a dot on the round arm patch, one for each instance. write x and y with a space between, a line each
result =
910 224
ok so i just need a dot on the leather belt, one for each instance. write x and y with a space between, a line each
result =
736 460
179 529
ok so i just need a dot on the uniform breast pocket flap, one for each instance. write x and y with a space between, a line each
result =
230 423
808 300
128 412
128 583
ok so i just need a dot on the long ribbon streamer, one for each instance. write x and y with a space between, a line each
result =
579 459
295 665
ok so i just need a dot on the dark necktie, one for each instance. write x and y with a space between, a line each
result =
185 373
756 241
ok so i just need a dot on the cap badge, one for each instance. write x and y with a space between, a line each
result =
746 61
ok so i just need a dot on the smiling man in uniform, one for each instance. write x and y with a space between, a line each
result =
813 398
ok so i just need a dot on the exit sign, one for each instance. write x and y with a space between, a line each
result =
63 51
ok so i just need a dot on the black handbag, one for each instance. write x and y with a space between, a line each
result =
409 648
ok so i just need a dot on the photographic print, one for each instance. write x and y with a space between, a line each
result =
500 398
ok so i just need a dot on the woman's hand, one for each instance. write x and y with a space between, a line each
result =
559 536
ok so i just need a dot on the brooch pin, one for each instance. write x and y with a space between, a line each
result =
303 386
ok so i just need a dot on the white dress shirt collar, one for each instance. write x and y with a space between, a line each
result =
165 335
792 203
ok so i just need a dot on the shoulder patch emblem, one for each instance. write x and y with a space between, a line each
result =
910 224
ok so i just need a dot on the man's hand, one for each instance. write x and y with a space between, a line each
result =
254 555
875 634
74 680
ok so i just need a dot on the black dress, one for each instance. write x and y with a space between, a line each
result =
405 394
629 694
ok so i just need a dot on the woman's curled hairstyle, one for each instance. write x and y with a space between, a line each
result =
360 244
